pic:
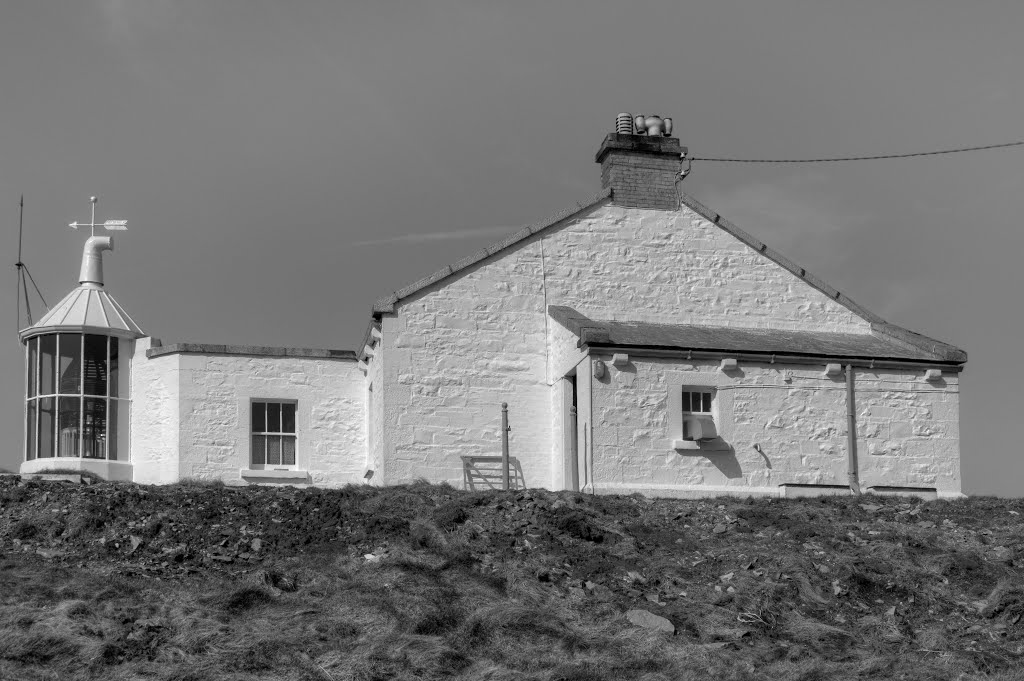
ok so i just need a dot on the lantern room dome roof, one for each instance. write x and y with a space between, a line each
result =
86 309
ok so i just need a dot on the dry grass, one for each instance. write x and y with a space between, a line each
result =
500 586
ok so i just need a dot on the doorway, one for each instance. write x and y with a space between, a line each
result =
570 445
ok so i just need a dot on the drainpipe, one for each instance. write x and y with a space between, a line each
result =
504 447
851 430
92 259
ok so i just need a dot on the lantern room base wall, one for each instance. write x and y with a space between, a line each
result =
108 470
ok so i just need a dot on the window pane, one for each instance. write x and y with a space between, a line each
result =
94 432
259 449
288 453
46 424
287 418
112 371
707 402
33 351
273 450
273 417
112 427
47 364
69 415
70 349
95 365
259 417
30 431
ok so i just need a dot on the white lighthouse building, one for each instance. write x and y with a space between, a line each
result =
642 343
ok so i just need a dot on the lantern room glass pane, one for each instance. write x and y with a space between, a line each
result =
30 431
94 428
114 407
33 353
70 349
47 364
287 418
69 422
112 372
95 373
46 424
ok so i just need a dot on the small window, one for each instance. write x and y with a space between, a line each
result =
273 434
697 417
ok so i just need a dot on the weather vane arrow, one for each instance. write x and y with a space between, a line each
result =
109 225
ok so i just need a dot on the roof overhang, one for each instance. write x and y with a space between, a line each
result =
762 344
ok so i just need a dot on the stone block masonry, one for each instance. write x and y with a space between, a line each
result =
197 416
455 350
641 171
796 417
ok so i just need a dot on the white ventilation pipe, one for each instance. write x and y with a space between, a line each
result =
92 259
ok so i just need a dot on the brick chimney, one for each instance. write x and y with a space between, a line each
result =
641 162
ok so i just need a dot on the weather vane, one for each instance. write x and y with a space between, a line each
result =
109 225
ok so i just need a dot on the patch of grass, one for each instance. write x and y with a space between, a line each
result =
33 648
247 598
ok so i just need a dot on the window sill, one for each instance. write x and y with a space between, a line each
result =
714 445
279 474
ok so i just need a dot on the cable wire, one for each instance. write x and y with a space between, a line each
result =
854 158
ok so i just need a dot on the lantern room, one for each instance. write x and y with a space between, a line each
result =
77 389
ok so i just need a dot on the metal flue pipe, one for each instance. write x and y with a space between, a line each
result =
92 259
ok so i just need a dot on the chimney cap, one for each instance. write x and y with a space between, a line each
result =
640 144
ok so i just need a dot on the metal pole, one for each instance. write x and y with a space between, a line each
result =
574 459
504 446
851 430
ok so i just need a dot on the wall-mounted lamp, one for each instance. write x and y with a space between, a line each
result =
598 369
620 360
833 369
933 375
729 364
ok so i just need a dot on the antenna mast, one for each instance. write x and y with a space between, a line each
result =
24 276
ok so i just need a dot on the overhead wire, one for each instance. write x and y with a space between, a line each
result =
837 159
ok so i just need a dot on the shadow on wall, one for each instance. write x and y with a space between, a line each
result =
484 472
724 460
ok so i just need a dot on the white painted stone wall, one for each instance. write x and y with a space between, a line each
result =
457 349
907 429
376 436
215 396
154 416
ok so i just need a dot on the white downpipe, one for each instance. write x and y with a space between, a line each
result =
92 259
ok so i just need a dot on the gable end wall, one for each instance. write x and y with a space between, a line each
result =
461 346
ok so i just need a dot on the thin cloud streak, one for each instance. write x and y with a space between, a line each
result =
435 236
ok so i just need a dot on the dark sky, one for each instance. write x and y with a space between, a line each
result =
282 165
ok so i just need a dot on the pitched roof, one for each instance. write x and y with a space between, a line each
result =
597 333
894 333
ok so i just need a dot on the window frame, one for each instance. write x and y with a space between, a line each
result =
266 433
678 415
705 408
